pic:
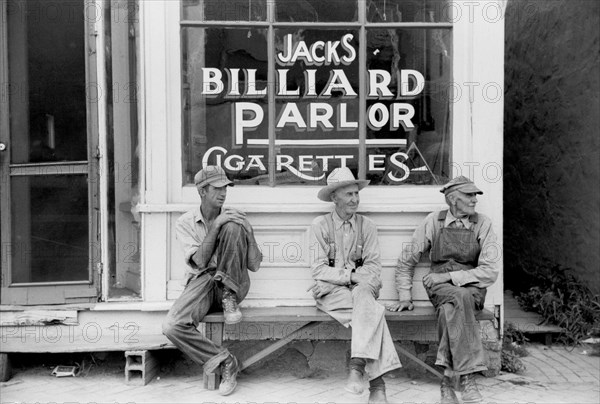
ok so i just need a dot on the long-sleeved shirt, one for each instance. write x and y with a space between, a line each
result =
483 275
191 229
346 236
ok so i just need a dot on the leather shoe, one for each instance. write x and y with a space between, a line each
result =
229 371
470 392
377 396
447 391
355 383
231 311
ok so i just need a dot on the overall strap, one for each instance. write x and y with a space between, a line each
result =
359 239
442 215
331 240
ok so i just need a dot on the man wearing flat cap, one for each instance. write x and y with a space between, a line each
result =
462 250
219 248
347 275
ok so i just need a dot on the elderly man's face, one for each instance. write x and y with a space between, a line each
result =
346 200
464 204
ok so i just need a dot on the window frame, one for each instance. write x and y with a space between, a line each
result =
290 198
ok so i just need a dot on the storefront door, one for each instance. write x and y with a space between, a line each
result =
49 211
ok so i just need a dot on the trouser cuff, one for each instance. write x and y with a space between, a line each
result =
358 364
377 384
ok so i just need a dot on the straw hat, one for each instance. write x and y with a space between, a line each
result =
339 177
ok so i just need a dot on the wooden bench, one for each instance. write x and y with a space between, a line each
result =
308 318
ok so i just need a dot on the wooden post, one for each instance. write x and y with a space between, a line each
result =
214 332
5 367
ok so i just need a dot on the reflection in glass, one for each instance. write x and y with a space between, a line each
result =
410 10
228 10
48 114
427 145
50 228
210 123
316 10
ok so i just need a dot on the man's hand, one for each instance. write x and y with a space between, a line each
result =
230 215
432 279
247 226
400 306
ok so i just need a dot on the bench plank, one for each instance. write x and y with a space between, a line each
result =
311 317
311 313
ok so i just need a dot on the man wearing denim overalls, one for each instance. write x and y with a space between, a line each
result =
464 262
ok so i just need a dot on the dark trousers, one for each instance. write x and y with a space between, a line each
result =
460 347
203 293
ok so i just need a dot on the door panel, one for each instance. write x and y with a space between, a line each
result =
49 240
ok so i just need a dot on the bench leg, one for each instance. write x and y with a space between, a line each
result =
419 362
279 344
214 332
5 367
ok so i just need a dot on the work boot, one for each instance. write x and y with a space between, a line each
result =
468 387
231 311
377 391
447 390
355 384
229 371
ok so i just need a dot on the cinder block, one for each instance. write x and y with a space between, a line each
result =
140 367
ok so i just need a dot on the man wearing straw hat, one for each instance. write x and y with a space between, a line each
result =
464 257
347 274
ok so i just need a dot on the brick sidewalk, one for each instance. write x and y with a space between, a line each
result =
553 375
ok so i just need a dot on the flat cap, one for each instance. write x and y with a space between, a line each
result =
462 184
212 175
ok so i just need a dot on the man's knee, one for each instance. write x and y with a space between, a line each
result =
169 326
464 295
231 228
364 291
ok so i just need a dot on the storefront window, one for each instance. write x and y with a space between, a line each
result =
285 99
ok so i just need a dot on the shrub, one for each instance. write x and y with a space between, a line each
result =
564 301
513 349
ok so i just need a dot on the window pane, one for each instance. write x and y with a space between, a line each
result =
50 229
48 114
411 11
225 10
316 10
418 120
317 104
225 118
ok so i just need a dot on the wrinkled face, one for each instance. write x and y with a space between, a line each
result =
462 204
212 196
346 200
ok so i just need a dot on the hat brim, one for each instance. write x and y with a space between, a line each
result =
464 188
325 192
217 184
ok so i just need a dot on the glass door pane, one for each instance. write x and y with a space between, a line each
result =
50 234
48 193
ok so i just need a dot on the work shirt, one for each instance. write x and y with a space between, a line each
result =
346 236
482 276
191 230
